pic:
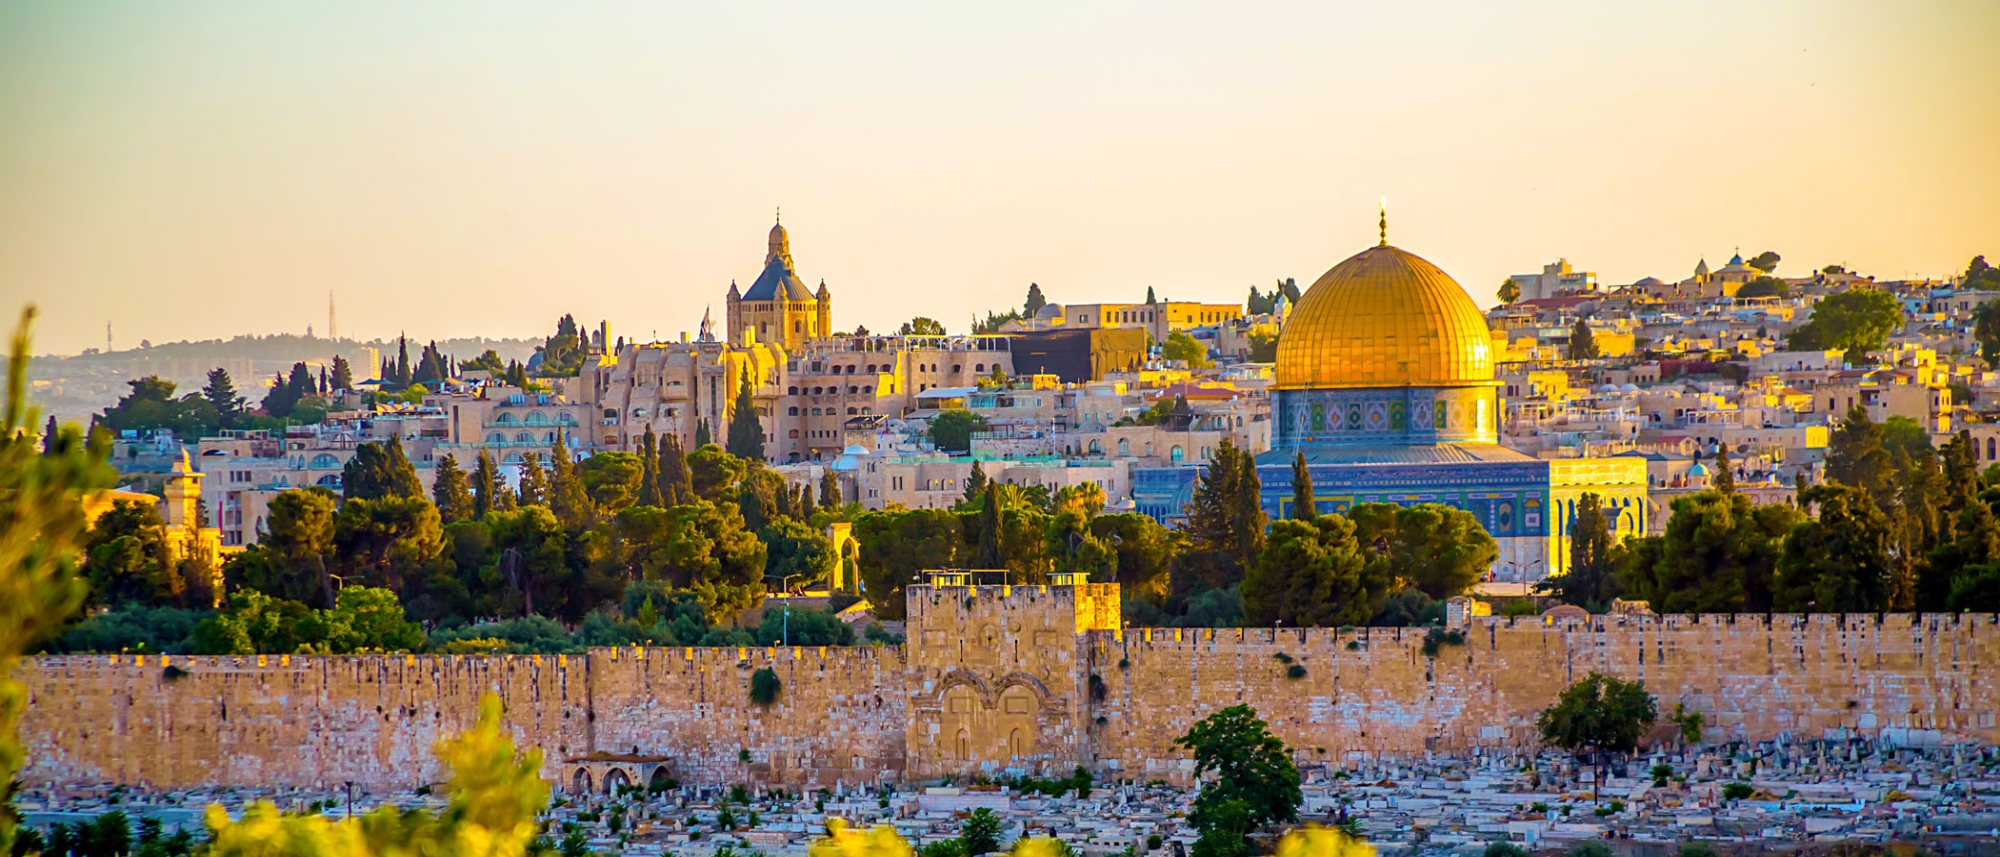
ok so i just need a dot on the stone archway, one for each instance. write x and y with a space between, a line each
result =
580 781
616 780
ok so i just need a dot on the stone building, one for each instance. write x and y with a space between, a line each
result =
778 306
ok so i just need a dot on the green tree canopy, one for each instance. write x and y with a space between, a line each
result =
1839 562
1432 547
922 326
1255 781
1719 555
951 430
896 544
1599 713
1856 321
1183 347
1312 573
151 405
380 470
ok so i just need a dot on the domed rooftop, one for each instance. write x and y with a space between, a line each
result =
1385 318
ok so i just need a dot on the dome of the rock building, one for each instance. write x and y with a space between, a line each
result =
1384 318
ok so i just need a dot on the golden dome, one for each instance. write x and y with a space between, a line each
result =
1385 318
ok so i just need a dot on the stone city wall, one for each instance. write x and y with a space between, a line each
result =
315 721
839 717
1905 678
994 680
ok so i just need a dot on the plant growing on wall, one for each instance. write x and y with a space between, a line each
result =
764 686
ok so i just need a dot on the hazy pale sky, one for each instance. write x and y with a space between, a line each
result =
194 170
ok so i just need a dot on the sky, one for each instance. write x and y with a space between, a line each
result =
195 170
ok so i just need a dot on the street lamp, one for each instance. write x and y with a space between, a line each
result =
785 586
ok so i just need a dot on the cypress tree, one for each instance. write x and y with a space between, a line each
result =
1304 508
746 433
567 496
484 479
975 482
989 530
702 436
1582 343
805 503
676 481
829 489
343 374
534 480
403 377
1725 473
1249 512
649 471
53 431
454 500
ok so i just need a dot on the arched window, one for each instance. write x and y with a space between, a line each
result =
957 367
852 412
537 417
331 480
1177 455
323 460
513 458
496 437
1096 448
791 391
818 390
565 418
1989 449
504 417
815 412
853 390
548 437
979 367
964 744
794 434
868 388
1124 448
524 437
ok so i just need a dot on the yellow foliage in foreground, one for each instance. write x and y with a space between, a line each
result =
883 841
495 798
1313 840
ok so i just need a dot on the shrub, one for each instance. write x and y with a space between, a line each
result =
764 686
1503 849
1590 849
1737 791
1295 671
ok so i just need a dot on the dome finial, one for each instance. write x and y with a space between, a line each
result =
780 215
1383 224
